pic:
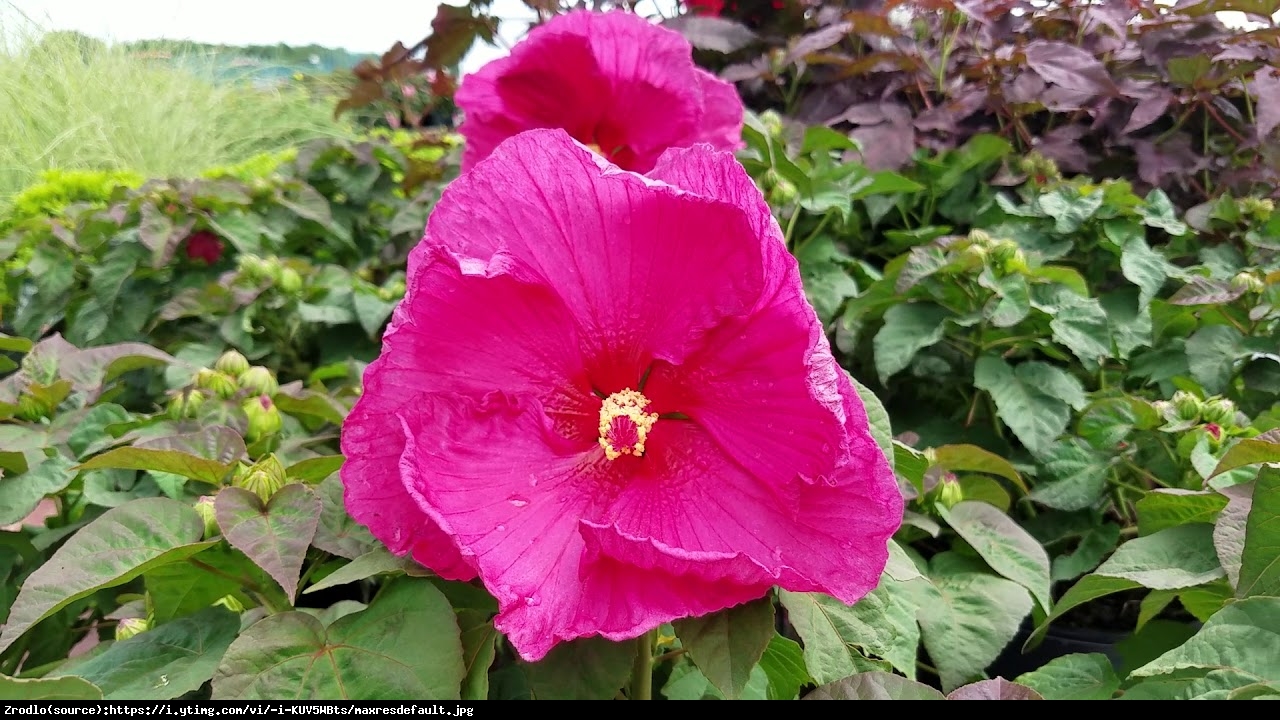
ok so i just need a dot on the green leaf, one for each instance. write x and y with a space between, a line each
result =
725 645
1077 676
208 455
1097 543
910 465
371 312
378 561
1090 587
995 689
20 494
900 566
1211 353
1249 451
971 458
405 646
1007 548
1229 530
90 433
180 589
479 647
314 469
835 635
1080 477
585 669
1030 399
877 419
783 665
1260 562
968 620
63 688
1143 267
1242 639
275 536
875 686
1082 326
1161 509
166 662
338 533
122 544
1177 557
296 401
908 329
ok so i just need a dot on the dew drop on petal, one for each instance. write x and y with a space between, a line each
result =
777 553
501 528
517 501
531 600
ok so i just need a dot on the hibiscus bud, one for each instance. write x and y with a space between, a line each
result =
218 383
1187 405
185 405
1165 408
231 603
259 381
981 238
1215 433
1219 411
204 508
264 478
1248 282
129 627
772 123
949 491
783 193
272 267
975 255
254 268
1260 208
232 363
769 179
32 409
290 282
264 418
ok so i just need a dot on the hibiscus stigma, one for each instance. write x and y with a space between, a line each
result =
624 425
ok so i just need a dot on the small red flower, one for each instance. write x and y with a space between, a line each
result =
204 245
1214 430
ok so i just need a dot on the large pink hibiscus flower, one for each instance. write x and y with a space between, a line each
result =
612 80
606 395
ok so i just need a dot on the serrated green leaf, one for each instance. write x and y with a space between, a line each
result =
726 645
1007 548
404 646
835 635
908 329
967 621
1161 509
1177 557
122 544
875 686
1260 561
1074 677
166 662
274 536
56 689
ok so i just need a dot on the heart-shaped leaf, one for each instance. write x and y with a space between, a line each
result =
275 536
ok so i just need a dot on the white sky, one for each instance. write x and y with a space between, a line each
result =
357 25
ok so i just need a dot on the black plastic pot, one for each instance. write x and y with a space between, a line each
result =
1058 641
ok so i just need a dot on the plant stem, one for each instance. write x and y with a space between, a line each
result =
642 670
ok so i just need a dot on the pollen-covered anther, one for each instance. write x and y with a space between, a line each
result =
624 425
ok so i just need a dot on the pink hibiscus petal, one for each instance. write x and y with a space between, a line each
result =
709 517
640 265
613 80
480 331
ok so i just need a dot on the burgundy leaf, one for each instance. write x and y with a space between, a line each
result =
1148 110
1069 67
820 40
1266 90
887 146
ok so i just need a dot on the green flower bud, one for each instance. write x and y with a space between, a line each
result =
259 381
204 508
218 383
264 478
1249 282
186 404
253 267
980 238
290 282
264 418
975 255
231 603
784 192
1187 405
232 363
769 179
1003 251
949 491
32 409
772 123
272 267
395 289
1219 411
129 627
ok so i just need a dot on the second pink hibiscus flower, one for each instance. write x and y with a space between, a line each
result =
614 81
